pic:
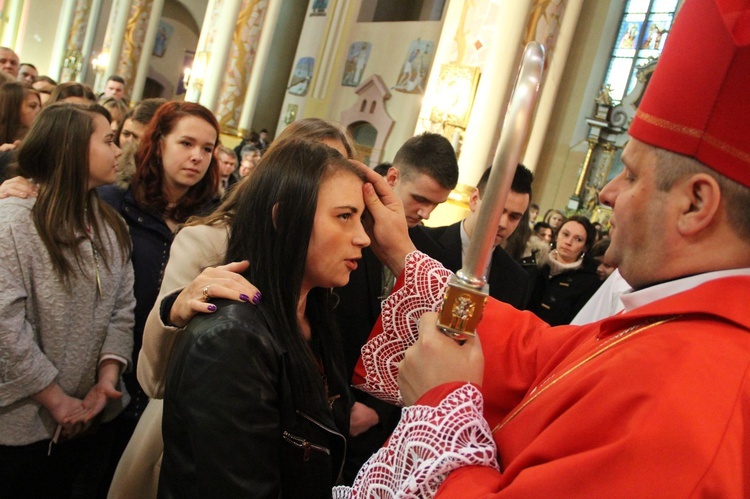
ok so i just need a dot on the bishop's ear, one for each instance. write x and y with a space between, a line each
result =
700 202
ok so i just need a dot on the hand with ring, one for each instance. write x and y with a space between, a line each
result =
224 281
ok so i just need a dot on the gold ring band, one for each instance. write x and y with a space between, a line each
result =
205 293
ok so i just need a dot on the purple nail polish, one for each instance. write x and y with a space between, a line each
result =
244 297
256 298
212 308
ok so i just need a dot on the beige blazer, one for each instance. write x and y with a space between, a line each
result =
194 248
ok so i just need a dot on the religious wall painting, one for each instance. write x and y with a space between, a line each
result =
301 76
163 33
413 75
356 61
319 8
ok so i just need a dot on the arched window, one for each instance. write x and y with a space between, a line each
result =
643 30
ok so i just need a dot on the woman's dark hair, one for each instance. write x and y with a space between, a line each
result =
588 227
12 95
272 229
148 182
55 154
71 89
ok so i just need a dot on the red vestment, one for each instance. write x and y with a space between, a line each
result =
664 411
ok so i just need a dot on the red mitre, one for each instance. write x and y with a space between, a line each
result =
698 100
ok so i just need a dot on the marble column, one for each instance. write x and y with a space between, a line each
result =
218 51
553 23
88 39
59 46
12 11
113 41
242 61
193 91
138 42
494 89
74 51
147 47
252 93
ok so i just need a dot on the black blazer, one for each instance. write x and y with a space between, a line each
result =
230 425
508 281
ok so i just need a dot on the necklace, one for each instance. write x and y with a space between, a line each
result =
552 380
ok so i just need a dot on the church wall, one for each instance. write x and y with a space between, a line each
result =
38 38
390 44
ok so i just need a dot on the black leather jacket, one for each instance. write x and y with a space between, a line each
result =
230 426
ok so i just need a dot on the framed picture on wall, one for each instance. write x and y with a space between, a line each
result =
163 33
413 75
319 8
356 60
301 76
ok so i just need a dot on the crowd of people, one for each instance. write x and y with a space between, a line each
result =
185 319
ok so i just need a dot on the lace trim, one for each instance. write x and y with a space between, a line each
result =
424 286
427 445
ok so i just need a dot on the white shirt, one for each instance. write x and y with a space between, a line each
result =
615 294
605 302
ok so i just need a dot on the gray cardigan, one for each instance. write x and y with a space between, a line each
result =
48 333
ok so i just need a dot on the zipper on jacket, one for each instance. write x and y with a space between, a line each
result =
332 432
306 445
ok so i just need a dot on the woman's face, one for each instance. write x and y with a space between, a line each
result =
186 154
103 154
338 235
30 108
132 131
571 242
555 220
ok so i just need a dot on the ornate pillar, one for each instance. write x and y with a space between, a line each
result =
261 58
218 51
62 35
242 62
73 58
553 24
140 33
208 29
147 47
88 39
113 41
12 11
494 89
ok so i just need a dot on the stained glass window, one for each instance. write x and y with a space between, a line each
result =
643 30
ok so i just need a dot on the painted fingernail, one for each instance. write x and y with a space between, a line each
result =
244 297
256 298
212 308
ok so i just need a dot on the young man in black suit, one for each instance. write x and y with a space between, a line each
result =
508 281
